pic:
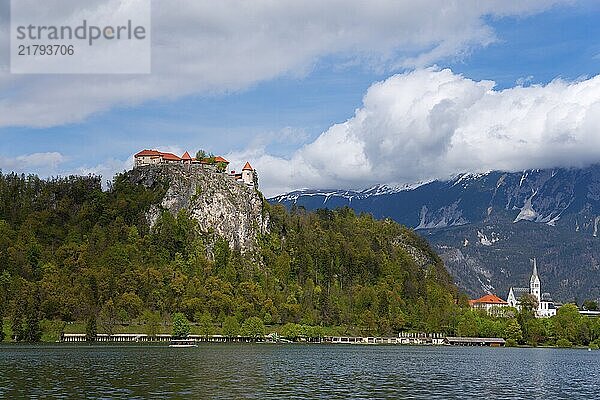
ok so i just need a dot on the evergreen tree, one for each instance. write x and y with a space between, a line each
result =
32 331
17 322
201 155
2 334
91 328
181 326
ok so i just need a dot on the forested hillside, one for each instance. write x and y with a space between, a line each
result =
70 251
487 227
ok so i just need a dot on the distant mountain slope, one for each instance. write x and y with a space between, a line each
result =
487 226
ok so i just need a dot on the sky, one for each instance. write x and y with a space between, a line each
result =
325 94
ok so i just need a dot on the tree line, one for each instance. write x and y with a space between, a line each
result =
521 327
73 253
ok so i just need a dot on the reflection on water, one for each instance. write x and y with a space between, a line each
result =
262 371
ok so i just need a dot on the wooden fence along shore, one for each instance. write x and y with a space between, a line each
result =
402 339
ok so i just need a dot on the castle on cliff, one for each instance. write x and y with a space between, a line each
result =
218 164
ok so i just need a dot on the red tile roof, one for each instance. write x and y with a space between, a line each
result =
186 157
170 157
247 167
489 299
145 153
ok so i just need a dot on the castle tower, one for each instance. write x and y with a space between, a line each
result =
248 174
534 283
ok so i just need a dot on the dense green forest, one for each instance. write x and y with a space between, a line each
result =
76 258
71 252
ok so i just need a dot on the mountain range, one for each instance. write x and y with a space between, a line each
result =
487 227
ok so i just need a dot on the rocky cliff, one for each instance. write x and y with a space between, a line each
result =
221 205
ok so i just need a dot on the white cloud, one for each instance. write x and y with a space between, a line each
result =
432 123
524 81
108 169
207 46
51 164
46 162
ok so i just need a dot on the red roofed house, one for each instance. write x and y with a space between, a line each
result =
489 303
148 157
154 157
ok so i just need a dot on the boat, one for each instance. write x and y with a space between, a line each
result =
183 343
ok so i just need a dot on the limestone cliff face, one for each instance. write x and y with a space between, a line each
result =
221 205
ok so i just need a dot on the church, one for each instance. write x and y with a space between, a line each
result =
546 307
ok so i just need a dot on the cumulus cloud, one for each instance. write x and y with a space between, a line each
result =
432 123
206 46
46 163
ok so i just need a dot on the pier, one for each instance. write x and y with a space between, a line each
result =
142 337
404 338
473 341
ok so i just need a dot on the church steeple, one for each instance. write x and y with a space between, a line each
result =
534 282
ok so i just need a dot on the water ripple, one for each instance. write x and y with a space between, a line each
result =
295 371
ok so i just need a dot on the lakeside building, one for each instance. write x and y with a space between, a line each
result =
144 158
546 306
491 303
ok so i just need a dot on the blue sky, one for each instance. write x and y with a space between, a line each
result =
282 113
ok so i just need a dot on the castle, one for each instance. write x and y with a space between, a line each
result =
145 158
546 306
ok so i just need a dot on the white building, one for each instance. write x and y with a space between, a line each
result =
546 307
490 303
248 175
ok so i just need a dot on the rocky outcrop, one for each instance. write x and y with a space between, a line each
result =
221 205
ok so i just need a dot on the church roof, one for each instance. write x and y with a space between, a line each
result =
534 275
520 291
221 159
186 156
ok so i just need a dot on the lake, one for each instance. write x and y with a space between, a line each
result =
266 371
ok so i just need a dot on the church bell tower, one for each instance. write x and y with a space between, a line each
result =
534 283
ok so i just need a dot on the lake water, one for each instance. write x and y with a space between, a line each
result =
264 371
